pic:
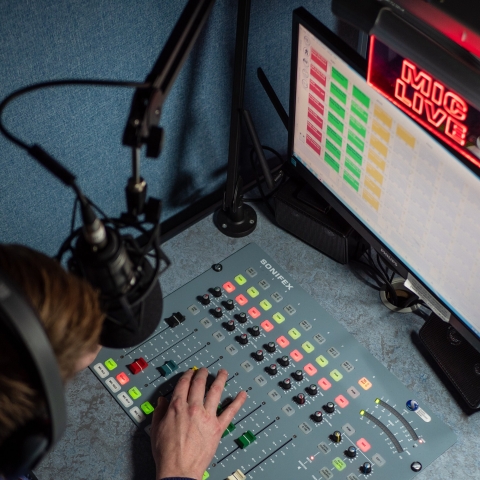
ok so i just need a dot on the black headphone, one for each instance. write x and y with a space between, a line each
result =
26 446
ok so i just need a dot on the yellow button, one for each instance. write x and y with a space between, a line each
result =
278 317
294 333
205 475
240 279
265 304
253 292
308 347
322 361
336 375
111 364
365 383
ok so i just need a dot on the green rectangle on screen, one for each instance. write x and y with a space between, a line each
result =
356 140
338 92
341 79
357 126
353 167
334 136
331 161
351 181
333 149
354 154
336 107
361 97
359 112
333 120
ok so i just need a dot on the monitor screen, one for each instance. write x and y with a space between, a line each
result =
409 196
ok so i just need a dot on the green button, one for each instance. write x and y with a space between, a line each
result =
341 79
339 464
253 292
294 333
351 181
205 475
308 347
333 120
322 361
135 393
336 375
147 408
265 304
332 162
240 279
278 317
361 97
110 364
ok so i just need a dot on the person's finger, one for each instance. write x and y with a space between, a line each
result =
215 392
197 387
159 413
183 386
227 415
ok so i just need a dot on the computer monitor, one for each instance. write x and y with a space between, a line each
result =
407 194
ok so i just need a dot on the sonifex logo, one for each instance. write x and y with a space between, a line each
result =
388 257
276 274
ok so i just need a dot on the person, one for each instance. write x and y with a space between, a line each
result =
185 431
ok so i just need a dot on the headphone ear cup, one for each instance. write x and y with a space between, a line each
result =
23 450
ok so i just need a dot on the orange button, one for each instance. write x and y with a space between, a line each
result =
283 342
254 313
365 383
363 445
341 401
122 378
324 384
296 355
229 287
241 299
310 369
267 326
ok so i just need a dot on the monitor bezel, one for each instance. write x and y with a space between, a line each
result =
296 169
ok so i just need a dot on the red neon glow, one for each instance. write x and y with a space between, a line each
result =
427 100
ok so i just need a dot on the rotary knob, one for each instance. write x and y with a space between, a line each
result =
366 468
270 347
351 451
298 375
242 317
216 292
243 339
255 330
230 325
217 312
229 305
317 416
300 398
329 407
336 436
312 390
416 466
284 361
272 369
205 299
286 384
258 355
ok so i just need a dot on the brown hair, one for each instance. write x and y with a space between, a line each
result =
69 309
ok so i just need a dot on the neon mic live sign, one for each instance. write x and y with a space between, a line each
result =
429 101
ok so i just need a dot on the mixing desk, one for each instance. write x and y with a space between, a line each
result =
319 404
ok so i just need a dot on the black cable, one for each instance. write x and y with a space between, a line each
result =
259 184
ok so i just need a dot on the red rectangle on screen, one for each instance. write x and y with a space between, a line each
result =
318 75
313 144
317 90
314 131
315 118
319 60
315 103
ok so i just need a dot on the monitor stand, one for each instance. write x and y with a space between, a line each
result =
459 360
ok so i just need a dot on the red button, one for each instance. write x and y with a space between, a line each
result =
296 355
324 384
137 366
122 378
283 342
363 445
254 313
267 326
341 401
229 287
241 299
310 369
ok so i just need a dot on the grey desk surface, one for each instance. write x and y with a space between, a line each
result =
101 442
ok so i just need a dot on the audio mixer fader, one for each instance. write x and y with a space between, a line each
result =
319 404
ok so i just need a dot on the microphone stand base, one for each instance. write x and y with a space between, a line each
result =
236 228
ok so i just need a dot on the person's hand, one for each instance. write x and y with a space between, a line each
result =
185 433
